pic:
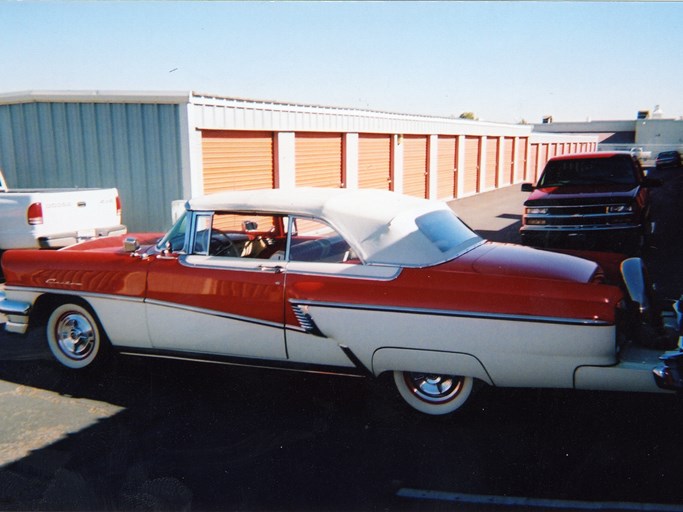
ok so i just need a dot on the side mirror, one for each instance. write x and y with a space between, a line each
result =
633 273
527 187
131 244
249 225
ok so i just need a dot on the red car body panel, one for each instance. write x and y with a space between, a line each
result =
493 278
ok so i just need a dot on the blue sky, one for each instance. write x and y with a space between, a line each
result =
504 61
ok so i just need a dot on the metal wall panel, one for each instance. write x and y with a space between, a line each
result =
217 113
521 164
133 147
508 162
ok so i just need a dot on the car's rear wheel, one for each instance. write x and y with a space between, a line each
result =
432 393
75 337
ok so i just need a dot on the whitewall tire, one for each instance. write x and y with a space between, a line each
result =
74 337
433 394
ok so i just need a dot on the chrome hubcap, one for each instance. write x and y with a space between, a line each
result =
75 336
433 388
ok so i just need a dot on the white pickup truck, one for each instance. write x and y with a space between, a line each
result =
53 218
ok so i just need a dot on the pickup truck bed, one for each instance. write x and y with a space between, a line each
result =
54 218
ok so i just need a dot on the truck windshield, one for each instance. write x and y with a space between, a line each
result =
589 171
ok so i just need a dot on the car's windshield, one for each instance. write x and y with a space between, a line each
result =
589 171
176 236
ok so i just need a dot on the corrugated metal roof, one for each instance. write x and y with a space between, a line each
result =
94 97
220 113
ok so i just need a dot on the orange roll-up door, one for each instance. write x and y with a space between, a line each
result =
374 161
318 160
492 147
237 160
532 168
415 165
472 156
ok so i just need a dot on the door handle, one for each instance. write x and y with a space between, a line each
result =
275 269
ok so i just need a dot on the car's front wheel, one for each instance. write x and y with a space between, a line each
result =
74 336
434 394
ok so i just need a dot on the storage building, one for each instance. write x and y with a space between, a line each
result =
160 147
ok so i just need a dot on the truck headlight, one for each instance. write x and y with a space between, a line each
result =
536 211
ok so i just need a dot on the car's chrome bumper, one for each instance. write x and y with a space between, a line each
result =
17 314
669 373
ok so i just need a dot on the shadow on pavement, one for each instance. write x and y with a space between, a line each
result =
214 438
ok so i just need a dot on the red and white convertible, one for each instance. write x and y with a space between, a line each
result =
356 282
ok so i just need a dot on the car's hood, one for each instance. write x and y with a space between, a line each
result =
114 244
582 194
511 260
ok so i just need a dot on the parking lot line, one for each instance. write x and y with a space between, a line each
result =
518 501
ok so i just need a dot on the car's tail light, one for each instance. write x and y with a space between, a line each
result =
35 214
118 206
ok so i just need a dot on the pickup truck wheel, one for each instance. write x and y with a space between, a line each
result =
74 336
433 394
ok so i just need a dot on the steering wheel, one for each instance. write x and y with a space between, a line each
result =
221 245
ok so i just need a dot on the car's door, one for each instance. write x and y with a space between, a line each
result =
222 294
326 282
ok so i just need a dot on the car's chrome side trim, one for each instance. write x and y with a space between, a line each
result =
270 364
345 270
444 312
355 360
305 320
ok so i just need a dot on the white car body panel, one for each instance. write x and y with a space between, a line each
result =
174 328
552 351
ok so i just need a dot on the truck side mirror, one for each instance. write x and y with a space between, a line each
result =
527 187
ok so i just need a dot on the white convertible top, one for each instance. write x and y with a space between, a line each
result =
380 225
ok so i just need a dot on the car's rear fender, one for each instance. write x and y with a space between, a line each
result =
429 361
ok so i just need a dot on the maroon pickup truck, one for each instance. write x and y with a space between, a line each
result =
589 201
